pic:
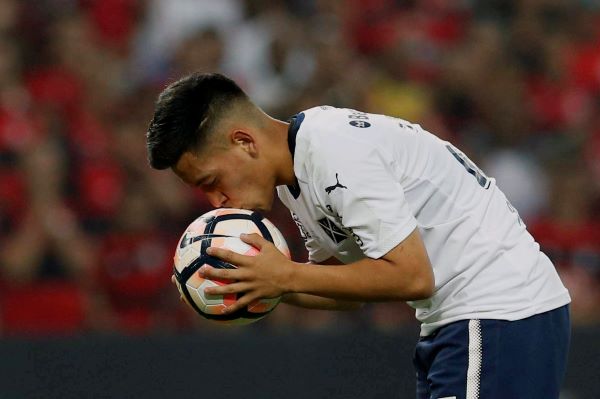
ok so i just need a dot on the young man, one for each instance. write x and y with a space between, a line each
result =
408 216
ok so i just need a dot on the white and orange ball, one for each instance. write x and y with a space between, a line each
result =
221 228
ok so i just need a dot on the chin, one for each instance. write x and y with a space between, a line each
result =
263 207
259 208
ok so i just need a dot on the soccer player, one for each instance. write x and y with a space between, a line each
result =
404 215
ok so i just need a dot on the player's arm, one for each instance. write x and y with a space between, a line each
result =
403 274
318 302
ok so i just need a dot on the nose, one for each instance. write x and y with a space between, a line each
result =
216 199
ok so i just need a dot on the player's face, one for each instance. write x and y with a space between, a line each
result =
230 178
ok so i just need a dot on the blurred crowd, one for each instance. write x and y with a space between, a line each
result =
88 230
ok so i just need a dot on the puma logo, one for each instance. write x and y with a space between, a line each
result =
329 189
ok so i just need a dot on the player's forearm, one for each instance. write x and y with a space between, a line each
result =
368 280
318 302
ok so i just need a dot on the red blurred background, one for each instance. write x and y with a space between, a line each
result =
87 229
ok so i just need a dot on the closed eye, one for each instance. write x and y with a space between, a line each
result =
206 183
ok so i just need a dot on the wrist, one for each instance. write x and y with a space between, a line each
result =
290 277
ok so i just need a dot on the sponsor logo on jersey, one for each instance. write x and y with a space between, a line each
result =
333 231
354 114
360 124
337 184
303 232
359 119
346 230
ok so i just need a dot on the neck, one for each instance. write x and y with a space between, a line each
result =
282 157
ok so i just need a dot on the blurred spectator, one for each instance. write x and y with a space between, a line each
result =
201 51
269 53
168 23
135 264
47 257
521 179
571 238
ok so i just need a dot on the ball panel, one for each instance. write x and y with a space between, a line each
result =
236 245
210 299
196 297
235 227
230 211
215 309
185 256
195 281
217 242
230 299
197 227
278 238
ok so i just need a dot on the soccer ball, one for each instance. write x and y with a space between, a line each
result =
221 228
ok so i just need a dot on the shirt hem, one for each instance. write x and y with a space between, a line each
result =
551 304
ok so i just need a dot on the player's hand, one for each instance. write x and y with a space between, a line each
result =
266 275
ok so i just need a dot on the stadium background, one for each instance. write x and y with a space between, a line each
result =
87 229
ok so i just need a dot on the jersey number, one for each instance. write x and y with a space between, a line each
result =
481 178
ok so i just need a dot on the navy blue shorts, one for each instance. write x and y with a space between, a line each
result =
489 359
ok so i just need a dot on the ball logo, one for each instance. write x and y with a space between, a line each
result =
187 240
360 124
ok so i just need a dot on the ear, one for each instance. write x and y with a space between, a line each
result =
246 140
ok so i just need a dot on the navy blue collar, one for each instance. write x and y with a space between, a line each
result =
295 122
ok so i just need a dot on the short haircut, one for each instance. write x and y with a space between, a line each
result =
185 113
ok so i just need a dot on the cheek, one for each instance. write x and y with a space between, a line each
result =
246 183
236 185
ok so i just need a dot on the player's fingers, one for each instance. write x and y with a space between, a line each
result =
173 279
213 273
233 288
241 303
227 256
256 240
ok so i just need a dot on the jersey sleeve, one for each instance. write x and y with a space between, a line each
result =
358 186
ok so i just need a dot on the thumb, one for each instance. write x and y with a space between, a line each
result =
256 240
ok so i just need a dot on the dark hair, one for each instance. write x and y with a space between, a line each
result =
184 114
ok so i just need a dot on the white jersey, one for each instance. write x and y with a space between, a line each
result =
365 182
